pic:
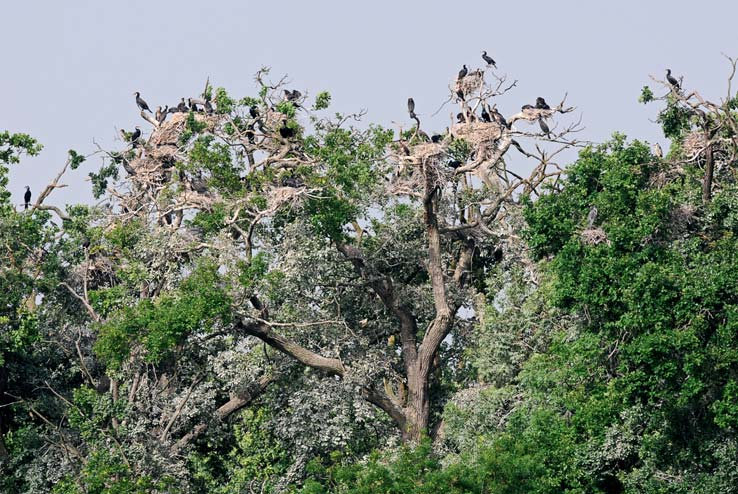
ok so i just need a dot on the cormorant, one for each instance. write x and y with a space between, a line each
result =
527 107
250 135
161 116
254 112
463 72
411 106
198 184
182 106
460 94
672 80
592 217
460 118
544 127
193 106
157 115
498 117
136 134
436 138
286 132
657 151
292 95
485 115
27 197
208 107
488 59
541 104
141 103
454 164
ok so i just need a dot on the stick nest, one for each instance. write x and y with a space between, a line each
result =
477 133
595 236
472 82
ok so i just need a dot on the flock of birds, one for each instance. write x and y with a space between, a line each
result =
286 132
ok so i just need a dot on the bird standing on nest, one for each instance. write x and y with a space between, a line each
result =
141 103
285 131
541 104
136 134
27 197
488 59
463 72
592 217
485 115
657 151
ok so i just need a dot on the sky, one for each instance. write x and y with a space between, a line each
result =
70 68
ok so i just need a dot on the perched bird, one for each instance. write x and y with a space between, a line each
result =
157 115
292 95
27 197
193 106
463 72
250 134
485 115
592 217
254 112
527 107
208 107
198 184
544 127
454 164
182 106
140 102
541 104
285 131
436 138
672 80
460 118
162 115
136 134
488 59
460 94
657 151
497 116
411 106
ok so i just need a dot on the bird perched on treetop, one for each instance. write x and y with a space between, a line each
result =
136 134
657 151
27 197
463 72
488 59
411 106
141 103
485 115
544 127
672 80
182 106
285 131
541 104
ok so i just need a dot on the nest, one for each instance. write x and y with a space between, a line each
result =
694 143
477 133
273 119
681 219
428 151
594 236
666 176
472 82
282 195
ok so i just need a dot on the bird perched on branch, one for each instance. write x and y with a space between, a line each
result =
544 127
135 135
463 72
541 104
27 197
182 106
292 95
285 131
657 151
485 115
141 103
411 107
161 116
436 138
672 80
488 59
497 116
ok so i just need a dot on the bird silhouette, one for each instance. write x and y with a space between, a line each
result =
27 197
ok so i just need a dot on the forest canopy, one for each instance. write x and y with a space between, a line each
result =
271 297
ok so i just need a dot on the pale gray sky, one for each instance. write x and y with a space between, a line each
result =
69 68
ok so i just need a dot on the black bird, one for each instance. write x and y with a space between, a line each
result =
411 106
436 138
292 95
27 197
544 127
286 132
488 59
497 116
254 112
460 95
460 118
485 115
193 106
250 134
672 80
454 164
182 106
141 103
541 104
208 107
136 134
463 72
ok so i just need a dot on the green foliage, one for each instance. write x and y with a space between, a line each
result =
75 159
322 101
100 179
646 95
159 325
224 102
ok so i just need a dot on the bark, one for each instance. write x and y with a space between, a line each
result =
709 172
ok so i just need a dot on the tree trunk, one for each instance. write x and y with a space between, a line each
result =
709 171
